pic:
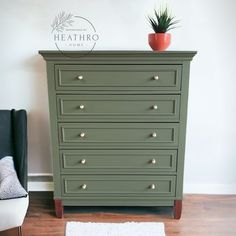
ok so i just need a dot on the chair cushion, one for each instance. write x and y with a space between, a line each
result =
13 212
10 186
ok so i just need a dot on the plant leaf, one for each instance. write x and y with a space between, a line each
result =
163 21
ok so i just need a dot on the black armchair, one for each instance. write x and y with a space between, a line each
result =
13 142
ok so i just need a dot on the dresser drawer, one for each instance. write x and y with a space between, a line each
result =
118 77
119 161
118 107
110 135
138 185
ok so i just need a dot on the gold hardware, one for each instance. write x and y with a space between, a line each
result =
155 107
156 77
81 106
154 134
82 135
153 161
152 186
84 186
83 161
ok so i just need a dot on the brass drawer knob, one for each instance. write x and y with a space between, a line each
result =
82 135
80 77
153 161
152 186
156 77
154 107
83 161
81 106
84 186
154 134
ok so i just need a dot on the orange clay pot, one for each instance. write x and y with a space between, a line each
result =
159 41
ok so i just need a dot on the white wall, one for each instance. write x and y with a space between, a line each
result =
206 26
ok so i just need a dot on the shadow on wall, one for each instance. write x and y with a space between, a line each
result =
38 119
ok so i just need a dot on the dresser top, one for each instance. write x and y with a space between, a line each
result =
122 55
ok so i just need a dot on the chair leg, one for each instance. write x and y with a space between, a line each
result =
20 231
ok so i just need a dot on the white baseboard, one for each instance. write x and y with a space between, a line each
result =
44 182
40 182
210 188
40 186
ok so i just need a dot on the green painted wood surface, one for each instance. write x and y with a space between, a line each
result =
118 77
85 200
115 135
116 88
53 129
118 161
116 108
119 185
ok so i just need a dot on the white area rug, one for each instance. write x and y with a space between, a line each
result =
115 229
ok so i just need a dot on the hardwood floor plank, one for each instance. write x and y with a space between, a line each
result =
203 215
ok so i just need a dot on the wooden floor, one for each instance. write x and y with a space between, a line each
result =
203 215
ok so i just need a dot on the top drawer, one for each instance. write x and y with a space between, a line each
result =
118 77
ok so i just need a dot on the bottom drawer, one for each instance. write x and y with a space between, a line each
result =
137 185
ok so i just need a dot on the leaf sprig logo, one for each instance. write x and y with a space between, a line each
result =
62 21
73 32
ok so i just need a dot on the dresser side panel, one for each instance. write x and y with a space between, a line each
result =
53 128
182 129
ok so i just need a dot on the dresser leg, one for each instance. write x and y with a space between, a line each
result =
177 209
58 208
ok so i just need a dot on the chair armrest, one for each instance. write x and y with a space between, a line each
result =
19 125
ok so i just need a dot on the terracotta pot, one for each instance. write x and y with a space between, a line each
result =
159 41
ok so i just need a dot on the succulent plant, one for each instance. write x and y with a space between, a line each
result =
163 21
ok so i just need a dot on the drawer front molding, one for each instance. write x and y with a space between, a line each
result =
127 185
112 135
118 108
119 161
118 77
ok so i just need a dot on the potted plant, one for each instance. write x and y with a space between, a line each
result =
161 24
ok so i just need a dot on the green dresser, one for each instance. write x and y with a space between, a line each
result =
118 124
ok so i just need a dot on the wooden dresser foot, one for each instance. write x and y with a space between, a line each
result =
177 209
58 208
